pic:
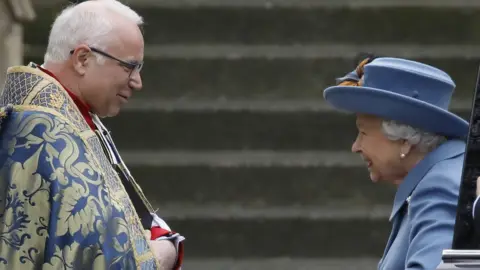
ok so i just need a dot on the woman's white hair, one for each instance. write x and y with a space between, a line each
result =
90 23
424 141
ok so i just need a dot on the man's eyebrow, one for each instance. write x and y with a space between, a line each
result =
132 60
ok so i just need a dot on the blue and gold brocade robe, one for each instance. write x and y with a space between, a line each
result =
62 204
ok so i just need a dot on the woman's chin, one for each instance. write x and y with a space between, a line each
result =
374 177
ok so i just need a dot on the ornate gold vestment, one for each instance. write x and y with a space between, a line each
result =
62 203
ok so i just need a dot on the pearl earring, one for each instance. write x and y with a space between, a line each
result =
402 155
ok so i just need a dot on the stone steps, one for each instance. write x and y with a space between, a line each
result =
236 232
343 22
243 158
262 77
228 200
232 130
286 3
256 178
232 140
308 125
236 51
282 264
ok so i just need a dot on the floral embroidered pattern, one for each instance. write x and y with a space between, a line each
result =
62 206
52 212
13 235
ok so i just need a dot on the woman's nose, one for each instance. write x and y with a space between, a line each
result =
355 147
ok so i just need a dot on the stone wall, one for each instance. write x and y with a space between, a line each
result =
12 14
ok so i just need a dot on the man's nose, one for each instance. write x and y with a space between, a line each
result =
135 80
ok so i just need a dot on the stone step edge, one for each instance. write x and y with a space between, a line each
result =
233 212
281 263
300 51
288 3
248 105
242 158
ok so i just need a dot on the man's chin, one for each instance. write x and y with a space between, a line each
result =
114 113
110 113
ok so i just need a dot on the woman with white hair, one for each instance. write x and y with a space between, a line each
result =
407 137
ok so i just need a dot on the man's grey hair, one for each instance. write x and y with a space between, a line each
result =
89 23
424 141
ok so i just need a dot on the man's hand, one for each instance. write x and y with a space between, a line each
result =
164 251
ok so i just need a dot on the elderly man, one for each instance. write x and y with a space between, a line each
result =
67 198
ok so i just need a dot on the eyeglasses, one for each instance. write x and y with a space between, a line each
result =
132 66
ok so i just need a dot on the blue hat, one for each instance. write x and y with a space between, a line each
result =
406 91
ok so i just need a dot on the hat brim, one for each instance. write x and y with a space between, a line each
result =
393 106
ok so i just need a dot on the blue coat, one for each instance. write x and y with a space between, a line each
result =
424 210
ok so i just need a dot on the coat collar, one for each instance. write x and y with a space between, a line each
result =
447 150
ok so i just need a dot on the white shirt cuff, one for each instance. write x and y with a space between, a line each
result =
157 221
176 238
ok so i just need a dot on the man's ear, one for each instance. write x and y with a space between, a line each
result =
80 58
